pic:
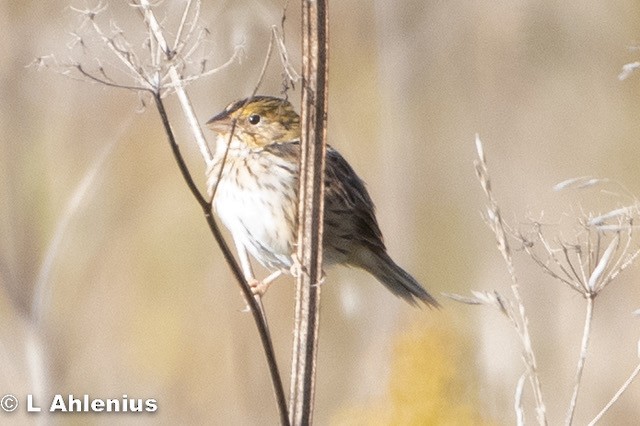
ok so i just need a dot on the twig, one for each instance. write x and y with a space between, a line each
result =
183 22
95 79
494 219
187 108
223 161
181 44
159 76
310 209
586 333
615 397
255 307
185 80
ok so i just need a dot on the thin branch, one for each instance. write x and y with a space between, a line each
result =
522 325
579 279
182 43
602 264
289 69
95 79
163 66
202 34
255 307
263 71
617 396
547 270
126 56
185 80
551 253
183 22
187 108
630 259
254 304
621 263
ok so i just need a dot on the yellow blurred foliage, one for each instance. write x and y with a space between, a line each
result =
430 384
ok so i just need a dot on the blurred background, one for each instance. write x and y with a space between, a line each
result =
120 288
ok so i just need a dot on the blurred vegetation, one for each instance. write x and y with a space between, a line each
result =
430 384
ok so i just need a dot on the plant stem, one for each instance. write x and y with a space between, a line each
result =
254 304
310 209
586 333
176 79
615 397
256 308
530 357
521 323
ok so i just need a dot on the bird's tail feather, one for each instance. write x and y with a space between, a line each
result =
396 279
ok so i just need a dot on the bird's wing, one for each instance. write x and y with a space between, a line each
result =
346 194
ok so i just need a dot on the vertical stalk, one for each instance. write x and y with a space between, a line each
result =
310 209
581 360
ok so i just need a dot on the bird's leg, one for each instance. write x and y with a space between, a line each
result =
259 288
245 264
247 270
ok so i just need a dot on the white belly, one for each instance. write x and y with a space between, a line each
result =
263 220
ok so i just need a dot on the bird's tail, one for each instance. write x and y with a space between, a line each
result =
396 279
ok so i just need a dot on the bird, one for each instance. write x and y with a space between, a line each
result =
253 180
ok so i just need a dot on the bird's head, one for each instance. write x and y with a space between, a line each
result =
259 121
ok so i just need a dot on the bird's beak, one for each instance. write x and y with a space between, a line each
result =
220 123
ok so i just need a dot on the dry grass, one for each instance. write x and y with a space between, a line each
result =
597 250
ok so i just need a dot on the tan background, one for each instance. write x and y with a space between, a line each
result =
138 298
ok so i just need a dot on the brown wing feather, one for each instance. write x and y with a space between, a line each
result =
349 211
347 197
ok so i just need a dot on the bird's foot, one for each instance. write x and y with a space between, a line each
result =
259 288
296 267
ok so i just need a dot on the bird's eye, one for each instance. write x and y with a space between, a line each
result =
254 119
